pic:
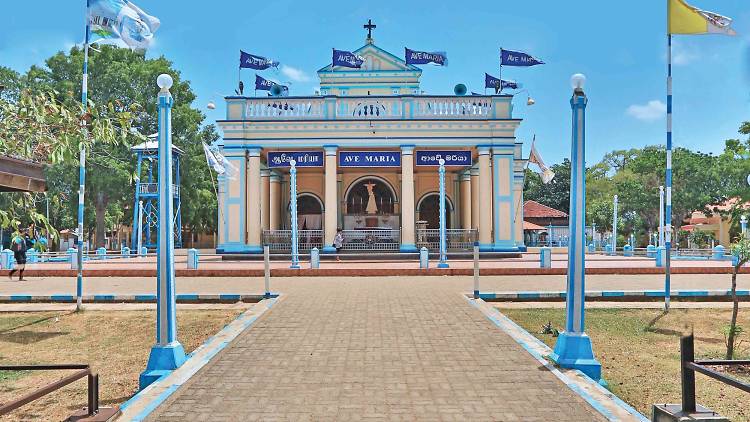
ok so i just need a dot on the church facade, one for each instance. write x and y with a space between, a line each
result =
366 149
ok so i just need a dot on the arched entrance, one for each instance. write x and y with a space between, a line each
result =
429 210
371 203
309 212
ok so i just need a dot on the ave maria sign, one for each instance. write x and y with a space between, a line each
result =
370 159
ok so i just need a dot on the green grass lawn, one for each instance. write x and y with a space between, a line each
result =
639 350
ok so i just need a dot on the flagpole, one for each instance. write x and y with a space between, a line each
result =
668 177
82 164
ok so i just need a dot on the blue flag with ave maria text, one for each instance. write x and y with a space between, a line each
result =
440 58
497 83
517 58
263 84
347 59
251 61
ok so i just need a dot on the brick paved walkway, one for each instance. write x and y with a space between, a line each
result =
374 349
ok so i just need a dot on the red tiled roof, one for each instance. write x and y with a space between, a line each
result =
534 209
532 226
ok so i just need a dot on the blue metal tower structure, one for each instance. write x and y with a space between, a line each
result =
148 192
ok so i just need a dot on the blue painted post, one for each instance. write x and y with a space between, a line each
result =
73 258
7 260
101 253
651 251
293 200
267 271
476 270
743 226
545 257
549 235
718 252
82 164
443 240
140 228
627 250
573 348
167 354
614 228
667 227
424 258
193 258
125 252
661 215
315 258
593 235
661 256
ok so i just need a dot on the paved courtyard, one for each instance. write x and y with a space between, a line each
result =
374 349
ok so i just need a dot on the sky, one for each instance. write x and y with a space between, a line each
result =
620 47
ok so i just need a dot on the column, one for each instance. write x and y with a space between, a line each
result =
485 192
408 242
465 194
253 207
274 201
331 199
474 197
265 198
502 176
518 211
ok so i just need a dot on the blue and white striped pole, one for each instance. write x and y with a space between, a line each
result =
573 347
661 216
743 226
614 228
293 212
167 354
443 240
82 160
668 177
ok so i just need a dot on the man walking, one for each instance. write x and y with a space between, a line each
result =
19 247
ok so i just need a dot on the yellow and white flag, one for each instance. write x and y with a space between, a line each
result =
683 18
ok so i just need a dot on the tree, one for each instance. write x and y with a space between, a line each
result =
123 78
741 253
555 194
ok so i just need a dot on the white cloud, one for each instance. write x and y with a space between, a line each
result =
649 112
295 75
683 55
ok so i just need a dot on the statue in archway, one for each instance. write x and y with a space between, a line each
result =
372 207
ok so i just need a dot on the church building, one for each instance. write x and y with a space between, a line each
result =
367 147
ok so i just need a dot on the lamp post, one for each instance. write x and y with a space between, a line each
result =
443 243
293 212
167 354
573 348
614 228
743 225
140 227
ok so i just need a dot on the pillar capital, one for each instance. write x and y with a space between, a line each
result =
330 149
275 178
407 149
253 151
483 149
474 171
465 177
265 173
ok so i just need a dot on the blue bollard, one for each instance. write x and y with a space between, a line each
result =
718 252
144 251
314 258
125 251
6 260
661 256
545 257
192 260
651 251
627 250
101 253
73 258
592 248
424 258
608 249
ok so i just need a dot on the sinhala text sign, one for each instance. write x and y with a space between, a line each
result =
452 158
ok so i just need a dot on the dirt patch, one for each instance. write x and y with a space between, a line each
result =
115 343
639 350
